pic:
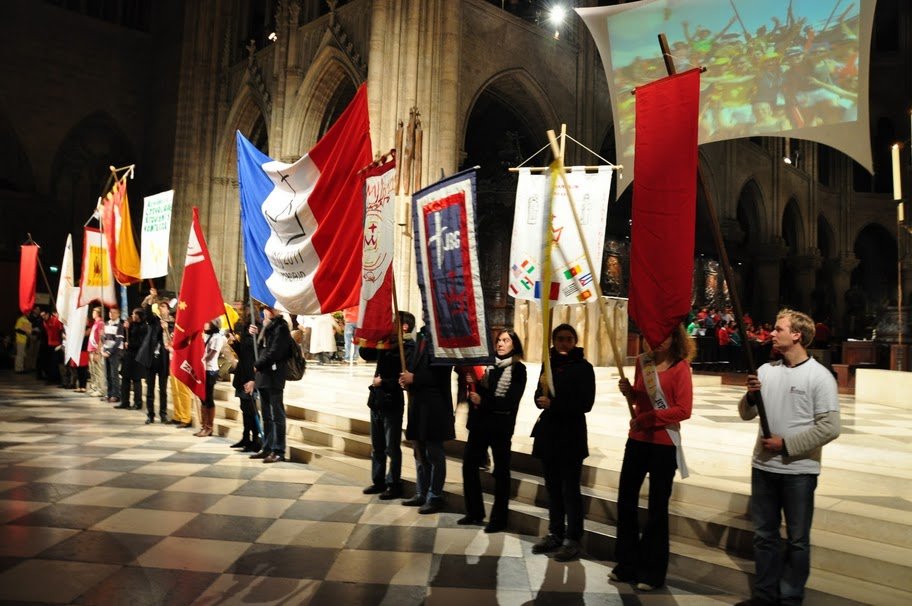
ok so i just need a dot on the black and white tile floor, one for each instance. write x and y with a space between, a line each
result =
98 508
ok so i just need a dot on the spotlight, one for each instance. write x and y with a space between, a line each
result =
557 14
272 37
787 160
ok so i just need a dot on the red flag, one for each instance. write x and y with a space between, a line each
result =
28 276
664 203
199 301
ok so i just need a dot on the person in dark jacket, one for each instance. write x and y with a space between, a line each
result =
493 405
156 356
430 424
561 442
244 382
276 343
387 404
131 371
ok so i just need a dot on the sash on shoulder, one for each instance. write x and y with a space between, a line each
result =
659 402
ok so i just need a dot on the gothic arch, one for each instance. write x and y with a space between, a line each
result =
248 108
15 168
751 211
326 90
793 227
827 243
519 90
875 248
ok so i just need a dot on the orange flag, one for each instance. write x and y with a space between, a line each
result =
118 230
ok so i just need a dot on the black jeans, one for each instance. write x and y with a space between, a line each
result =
211 380
130 377
162 374
475 450
565 501
386 441
273 420
644 557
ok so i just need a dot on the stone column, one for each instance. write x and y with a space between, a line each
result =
841 272
767 260
804 271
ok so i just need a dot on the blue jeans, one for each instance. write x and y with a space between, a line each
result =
430 463
273 420
781 576
351 349
386 441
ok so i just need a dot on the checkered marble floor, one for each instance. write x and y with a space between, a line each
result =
98 508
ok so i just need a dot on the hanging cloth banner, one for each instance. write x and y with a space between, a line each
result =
118 231
28 276
97 282
75 328
449 277
65 289
570 279
375 322
664 204
156 232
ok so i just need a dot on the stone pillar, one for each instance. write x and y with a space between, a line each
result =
804 272
767 261
841 272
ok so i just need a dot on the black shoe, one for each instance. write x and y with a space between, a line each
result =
432 506
470 521
253 447
242 444
275 457
186 425
174 422
620 574
493 527
391 493
547 544
373 489
122 407
570 550
137 407
150 420
164 418
415 501
261 455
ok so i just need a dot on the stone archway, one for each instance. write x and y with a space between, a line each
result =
823 298
875 276
505 126
791 287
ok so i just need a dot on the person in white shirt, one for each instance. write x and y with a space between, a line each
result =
215 340
802 407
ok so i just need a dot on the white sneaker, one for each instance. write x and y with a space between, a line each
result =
645 587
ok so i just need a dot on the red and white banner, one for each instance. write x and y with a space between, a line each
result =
199 301
314 213
664 204
375 322
67 286
97 281
28 276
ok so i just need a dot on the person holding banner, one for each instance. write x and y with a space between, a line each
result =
270 382
662 397
801 402
561 442
387 404
131 371
96 362
214 343
430 424
493 405
155 355
241 342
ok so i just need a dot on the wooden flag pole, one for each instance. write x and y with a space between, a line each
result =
754 396
603 307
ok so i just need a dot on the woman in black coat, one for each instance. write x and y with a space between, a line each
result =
270 368
244 380
492 417
561 442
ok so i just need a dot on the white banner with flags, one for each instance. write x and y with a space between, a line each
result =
571 277
156 231
97 283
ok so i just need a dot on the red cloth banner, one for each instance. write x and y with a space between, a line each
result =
199 301
664 204
28 276
375 322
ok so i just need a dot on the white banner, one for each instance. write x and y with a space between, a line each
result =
67 281
571 278
76 321
156 231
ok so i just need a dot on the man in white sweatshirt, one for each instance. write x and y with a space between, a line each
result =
802 406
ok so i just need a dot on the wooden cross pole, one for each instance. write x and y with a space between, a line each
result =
754 397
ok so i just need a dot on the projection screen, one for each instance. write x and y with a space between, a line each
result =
796 68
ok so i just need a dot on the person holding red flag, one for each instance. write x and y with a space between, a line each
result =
199 301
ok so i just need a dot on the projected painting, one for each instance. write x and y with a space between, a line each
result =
795 67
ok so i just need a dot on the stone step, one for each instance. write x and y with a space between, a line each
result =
712 528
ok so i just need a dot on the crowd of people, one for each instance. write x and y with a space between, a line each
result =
408 392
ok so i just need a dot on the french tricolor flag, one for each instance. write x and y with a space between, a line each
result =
303 221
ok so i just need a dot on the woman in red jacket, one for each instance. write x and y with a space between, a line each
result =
662 395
